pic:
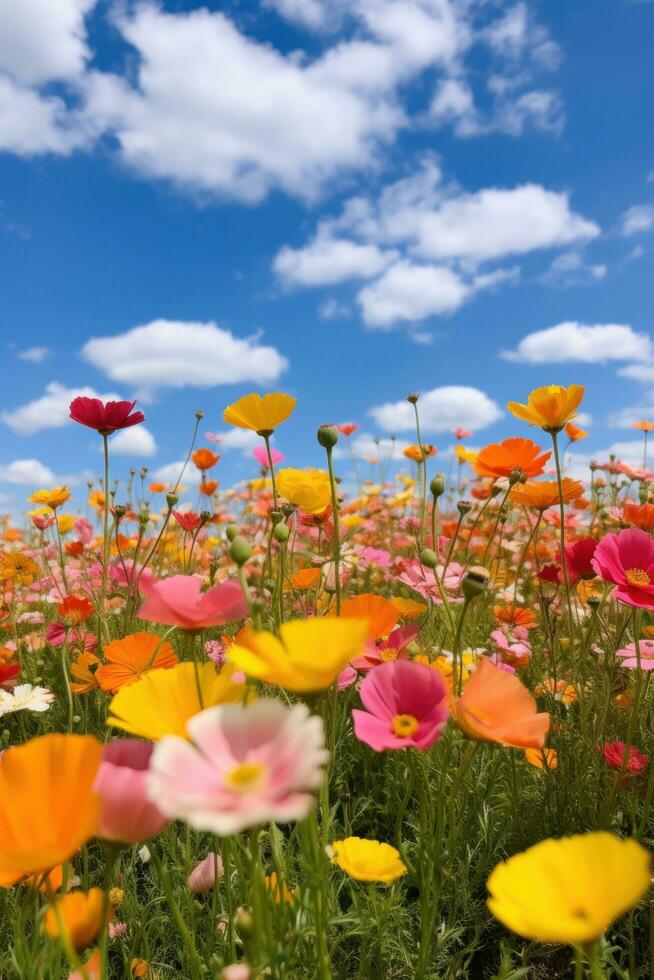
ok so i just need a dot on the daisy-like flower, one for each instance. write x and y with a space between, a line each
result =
25 697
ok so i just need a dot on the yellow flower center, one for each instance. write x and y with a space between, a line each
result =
243 777
387 654
404 726
637 576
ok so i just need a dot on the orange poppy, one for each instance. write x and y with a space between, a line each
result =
503 458
638 515
75 609
560 690
306 578
157 487
512 615
132 657
204 459
417 455
643 426
381 614
574 433
208 487
542 758
50 882
496 707
80 669
74 548
47 805
408 608
82 916
543 495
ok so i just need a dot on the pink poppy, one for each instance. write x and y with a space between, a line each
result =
205 874
627 560
104 418
406 706
630 656
347 428
461 433
244 766
127 815
261 455
179 601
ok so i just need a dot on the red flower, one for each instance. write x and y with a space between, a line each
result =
614 753
75 609
7 673
347 428
41 522
188 521
104 418
578 558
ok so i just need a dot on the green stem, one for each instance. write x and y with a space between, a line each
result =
564 563
187 939
337 530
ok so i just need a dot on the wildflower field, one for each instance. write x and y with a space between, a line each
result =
284 730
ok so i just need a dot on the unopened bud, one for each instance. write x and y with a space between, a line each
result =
244 922
428 558
231 531
437 485
240 551
413 397
474 582
327 436
516 476
281 533
171 500
464 507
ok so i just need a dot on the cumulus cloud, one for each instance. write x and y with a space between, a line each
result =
412 292
637 219
169 473
580 342
441 409
50 411
243 439
326 261
27 472
35 355
177 354
366 446
41 40
32 124
638 372
137 441
624 418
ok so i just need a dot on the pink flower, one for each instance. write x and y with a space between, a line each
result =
407 706
179 601
376 556
514 651
245 766
117 929
347 428
627 560
83 530
631 658
236 971
346 678
127 815
461 433
385 651
55 634
104 418
215 650
614 753
205 874
261 456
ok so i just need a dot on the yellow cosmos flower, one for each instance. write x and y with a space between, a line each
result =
368 860
81 915
162 701
65 523
96 499
550 407
18 568
308 655
569 890
308 489
51 498
262 415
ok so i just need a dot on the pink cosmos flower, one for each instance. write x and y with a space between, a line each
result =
83 530
127 815
244 766
627 560
614 753
346 678
205 874
631 658
261 456
375 556
393 647
406 706
179 601
515 649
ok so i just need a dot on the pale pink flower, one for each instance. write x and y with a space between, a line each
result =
630 657
127 815
179 601
205 874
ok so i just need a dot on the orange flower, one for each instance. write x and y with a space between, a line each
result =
542 758
544 495
157 487
82 915
408 608
641 516
47 805
204 459
502 459
80 669
131 657
643 426
261 414
496 707
550 407
75 609
208 487
560 690
381 614
512 615
74 548
306 578
574 433
414 452
50 882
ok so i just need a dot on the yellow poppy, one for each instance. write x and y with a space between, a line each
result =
65 523
569 890
261 414
307 656
550 407
51 498
18 568
162 701
368 860
308 489
81 914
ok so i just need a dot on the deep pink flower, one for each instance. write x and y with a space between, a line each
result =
631 658
179 601
187 520
261 455
627 560
461 433
387 650
41 522
513 650
104 418
127 815
614 753
406 706
205 874
55 634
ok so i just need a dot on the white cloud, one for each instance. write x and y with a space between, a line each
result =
412 292
333 309
171 471
326 261
177 354
27 472
41 40
583 343
35 355
572 269
32 124
309 13
50 411
243 439
638 372
624 418
441 409
637 219
366 445
136 441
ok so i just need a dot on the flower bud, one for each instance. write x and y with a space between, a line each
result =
244 922
428 558
464 507
171 500
437 485
474 582
281 533
413 397
327 436
231 531
240 551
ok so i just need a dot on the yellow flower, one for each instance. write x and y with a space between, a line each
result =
51 498
542 758
308 489
464 455
569 890
263 415
81 915
162 701
308 655
550 407
368 860
17 568
65 523
139 967
96 499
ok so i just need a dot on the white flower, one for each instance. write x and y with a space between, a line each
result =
25 697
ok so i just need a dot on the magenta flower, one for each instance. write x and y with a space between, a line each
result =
104 418
127 815
393 647
245 766
406 706
627 560
179 601
261 455
630 657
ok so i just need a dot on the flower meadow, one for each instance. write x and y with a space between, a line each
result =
294 729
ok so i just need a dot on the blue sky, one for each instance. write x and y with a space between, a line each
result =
346 201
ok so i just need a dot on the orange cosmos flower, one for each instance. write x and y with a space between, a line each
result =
47 805
544 495
638 515
129 658
550 407
306 578
574 433
381 614
80 669
512 615
262 415
75 609
643 426
81 915
502 459
496 707
204 459
419 456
